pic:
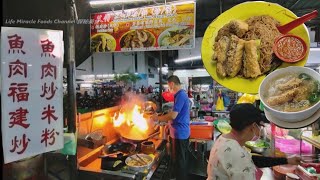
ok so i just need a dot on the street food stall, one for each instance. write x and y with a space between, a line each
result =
120 141
241 51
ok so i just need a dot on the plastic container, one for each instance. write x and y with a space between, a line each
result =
305 175
201 132
292 146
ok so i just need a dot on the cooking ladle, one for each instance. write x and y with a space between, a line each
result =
284 29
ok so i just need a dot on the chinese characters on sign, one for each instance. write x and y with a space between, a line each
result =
32 102
170 26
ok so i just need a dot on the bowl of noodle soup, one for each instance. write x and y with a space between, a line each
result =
257 41
291 94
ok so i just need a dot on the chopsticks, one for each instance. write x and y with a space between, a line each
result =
310 155
310 158
138 160
141 159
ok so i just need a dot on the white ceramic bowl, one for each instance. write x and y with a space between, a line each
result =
288 116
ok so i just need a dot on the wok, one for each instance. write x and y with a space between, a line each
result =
131 135
117 149
149 107
113 156
129 138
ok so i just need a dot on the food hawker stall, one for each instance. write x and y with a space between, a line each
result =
106 140
134 147
225 42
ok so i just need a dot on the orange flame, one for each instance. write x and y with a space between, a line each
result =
133 119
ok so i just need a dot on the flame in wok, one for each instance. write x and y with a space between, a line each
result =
131 120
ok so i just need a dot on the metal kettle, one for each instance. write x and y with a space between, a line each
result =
163 131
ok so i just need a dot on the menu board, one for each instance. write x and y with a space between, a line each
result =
165 27
32 92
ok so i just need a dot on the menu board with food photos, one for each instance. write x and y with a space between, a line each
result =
164 27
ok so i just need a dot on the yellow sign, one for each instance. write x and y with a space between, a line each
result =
170 26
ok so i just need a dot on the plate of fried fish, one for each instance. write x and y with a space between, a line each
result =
237 46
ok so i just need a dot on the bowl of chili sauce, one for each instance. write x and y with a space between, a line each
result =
290 48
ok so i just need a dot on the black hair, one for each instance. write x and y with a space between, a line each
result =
174 79
243 115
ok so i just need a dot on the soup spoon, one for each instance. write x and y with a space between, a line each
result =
284 29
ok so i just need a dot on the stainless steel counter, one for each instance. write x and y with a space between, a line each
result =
90 165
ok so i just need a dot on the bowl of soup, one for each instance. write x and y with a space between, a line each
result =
291 94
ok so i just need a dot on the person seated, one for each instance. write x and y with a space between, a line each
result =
228 157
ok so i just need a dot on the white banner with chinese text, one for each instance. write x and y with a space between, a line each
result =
32 91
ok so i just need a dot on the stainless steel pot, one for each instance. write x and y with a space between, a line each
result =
193 113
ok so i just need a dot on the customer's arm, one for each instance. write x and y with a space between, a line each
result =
261 161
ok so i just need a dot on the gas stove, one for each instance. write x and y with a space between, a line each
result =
123 148
108 167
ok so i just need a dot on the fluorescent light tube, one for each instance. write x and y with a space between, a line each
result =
187 59
314 49
102 2
201 70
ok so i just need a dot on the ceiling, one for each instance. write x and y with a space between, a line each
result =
206 11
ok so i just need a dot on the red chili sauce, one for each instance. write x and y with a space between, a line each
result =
290 48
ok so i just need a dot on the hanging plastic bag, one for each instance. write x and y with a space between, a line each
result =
168 96
248 98
219 106
261 106
226 100
70 144
222 125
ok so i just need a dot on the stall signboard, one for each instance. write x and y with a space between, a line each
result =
32 92
165 27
